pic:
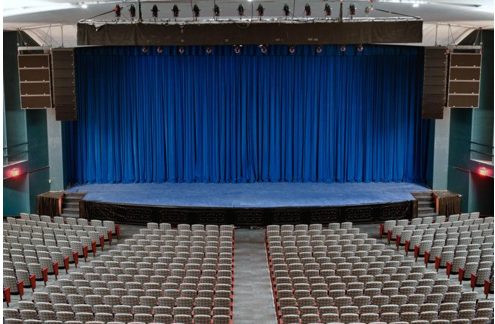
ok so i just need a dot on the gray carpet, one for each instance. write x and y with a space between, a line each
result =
253 298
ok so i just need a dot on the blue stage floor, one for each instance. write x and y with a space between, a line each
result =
250 194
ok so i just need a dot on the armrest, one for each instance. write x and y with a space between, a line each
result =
407 243
461 274
44 272
416 252
448 268
93 247
32 281
109 233
427 258
66 264
438 260
55 269
85 252
75 256
474 278
102 242
20 288
397 241
486 287
117 230
7 297
381 229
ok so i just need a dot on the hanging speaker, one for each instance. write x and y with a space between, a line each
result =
35 80
64 85
434 82
464 79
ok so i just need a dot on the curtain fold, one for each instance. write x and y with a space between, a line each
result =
333 116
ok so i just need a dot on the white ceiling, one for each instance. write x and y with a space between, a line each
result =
446 21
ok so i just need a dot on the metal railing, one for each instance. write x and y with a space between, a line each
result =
481 152
15 153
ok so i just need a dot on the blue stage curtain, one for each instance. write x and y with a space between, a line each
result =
334 116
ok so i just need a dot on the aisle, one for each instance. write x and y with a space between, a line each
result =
253 299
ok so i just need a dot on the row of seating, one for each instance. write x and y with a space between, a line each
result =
320 275
462 244
161 274
35 246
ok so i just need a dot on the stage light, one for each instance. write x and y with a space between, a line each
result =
13 173
328 10
292 50
360 48
319 49
483 171
196 11
181 50
154 11
237 49
286 10
260 10
216 10
159 50
352 10
307 9
132 12
144 49
209 50
240 10
343 48
175 10
117 9
263 49
368 9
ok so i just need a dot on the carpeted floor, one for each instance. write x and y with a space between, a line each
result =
281 194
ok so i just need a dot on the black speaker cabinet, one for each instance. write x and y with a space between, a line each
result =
64 85
434 82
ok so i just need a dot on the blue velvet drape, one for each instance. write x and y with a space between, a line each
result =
350 116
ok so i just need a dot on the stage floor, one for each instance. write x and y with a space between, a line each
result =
250 195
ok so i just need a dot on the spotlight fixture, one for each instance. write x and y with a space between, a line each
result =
319 49
117 9
328 10
292 49
144 49
240 10
286 10
307 9
263 49
209 50
360 48
154 12
343 48
132 11
159 50
237 49
260 10
216 10
352 10
181 50
196 11
368 9
175 10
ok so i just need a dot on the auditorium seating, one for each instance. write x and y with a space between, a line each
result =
337 274
35 246
161 274
463 244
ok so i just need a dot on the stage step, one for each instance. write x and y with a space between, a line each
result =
426 210
71 203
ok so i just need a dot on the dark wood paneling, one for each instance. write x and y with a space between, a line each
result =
140 214
434 82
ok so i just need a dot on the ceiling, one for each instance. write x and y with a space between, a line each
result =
446 21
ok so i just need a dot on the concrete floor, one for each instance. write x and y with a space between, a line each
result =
253 298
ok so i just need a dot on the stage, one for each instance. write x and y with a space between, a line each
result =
248 203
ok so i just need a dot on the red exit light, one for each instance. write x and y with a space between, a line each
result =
13 173
483 171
